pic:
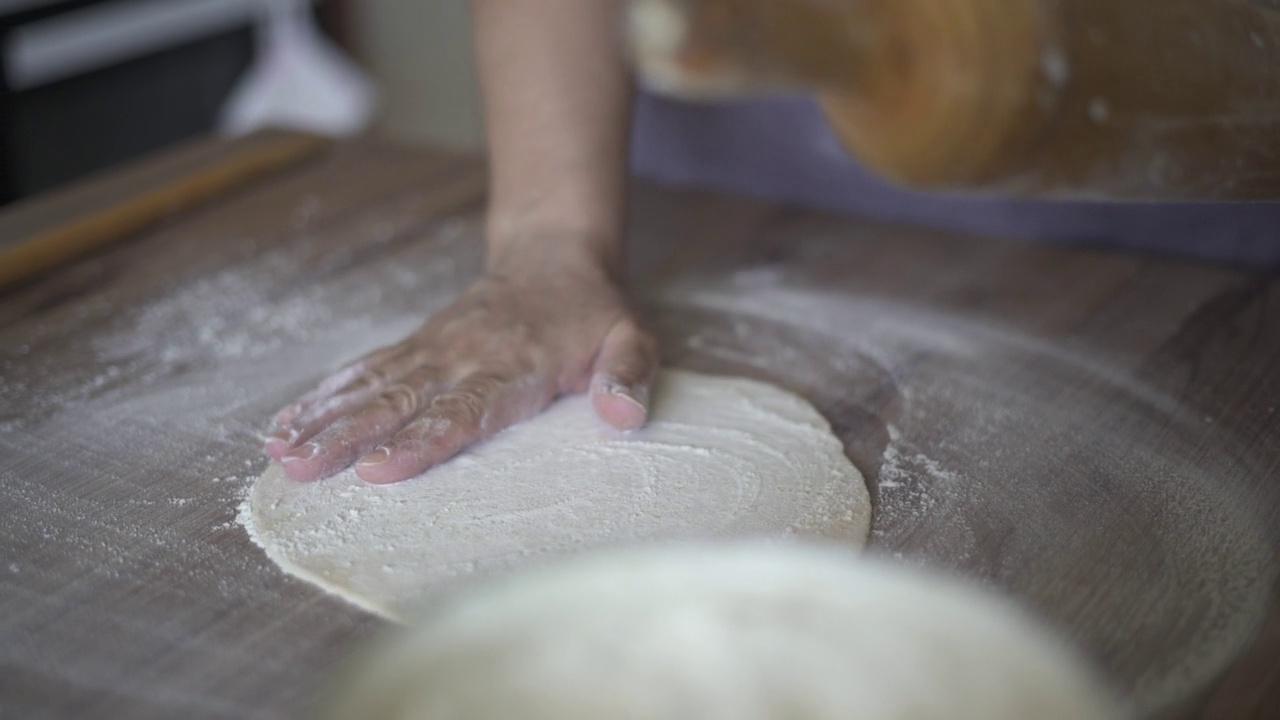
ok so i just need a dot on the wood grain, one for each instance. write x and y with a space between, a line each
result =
1094 433
48 231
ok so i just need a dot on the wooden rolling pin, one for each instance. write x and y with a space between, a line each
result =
1143 99
186 178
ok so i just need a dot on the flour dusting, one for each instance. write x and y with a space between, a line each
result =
720 457
971 435
928 393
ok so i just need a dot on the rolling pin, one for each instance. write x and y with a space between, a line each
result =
1122 99
246 161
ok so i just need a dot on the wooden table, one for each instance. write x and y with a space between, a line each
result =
1093 432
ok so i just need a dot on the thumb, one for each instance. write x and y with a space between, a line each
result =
623 374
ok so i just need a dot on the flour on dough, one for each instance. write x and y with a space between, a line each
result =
720 457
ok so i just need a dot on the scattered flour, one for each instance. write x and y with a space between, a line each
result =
721 457
988 436
967 433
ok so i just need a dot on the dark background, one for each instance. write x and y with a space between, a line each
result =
55 133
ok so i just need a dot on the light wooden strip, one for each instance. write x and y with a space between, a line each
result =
76 237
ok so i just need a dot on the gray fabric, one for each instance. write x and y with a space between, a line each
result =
781 149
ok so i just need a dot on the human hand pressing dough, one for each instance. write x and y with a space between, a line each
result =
500 354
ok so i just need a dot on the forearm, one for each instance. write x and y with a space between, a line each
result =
556 101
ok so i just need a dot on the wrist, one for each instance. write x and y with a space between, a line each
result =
515 246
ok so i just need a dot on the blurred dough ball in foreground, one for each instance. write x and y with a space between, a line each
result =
743 631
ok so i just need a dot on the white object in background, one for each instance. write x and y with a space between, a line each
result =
300 80
745 630
79 41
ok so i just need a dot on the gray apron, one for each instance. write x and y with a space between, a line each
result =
780 149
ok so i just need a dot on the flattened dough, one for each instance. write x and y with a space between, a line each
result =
720 457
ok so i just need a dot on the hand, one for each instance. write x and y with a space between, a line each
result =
498 355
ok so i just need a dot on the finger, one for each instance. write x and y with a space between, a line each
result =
335 382
286 436
356 434
622 376
350 398
478 407
324 413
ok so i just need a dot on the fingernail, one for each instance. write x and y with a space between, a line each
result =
377 457
605 384
306 452
636 395
288 436
275 446
629 398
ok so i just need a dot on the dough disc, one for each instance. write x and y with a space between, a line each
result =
721 457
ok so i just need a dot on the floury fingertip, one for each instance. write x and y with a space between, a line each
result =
377 457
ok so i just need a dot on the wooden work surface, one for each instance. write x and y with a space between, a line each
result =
1093 432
